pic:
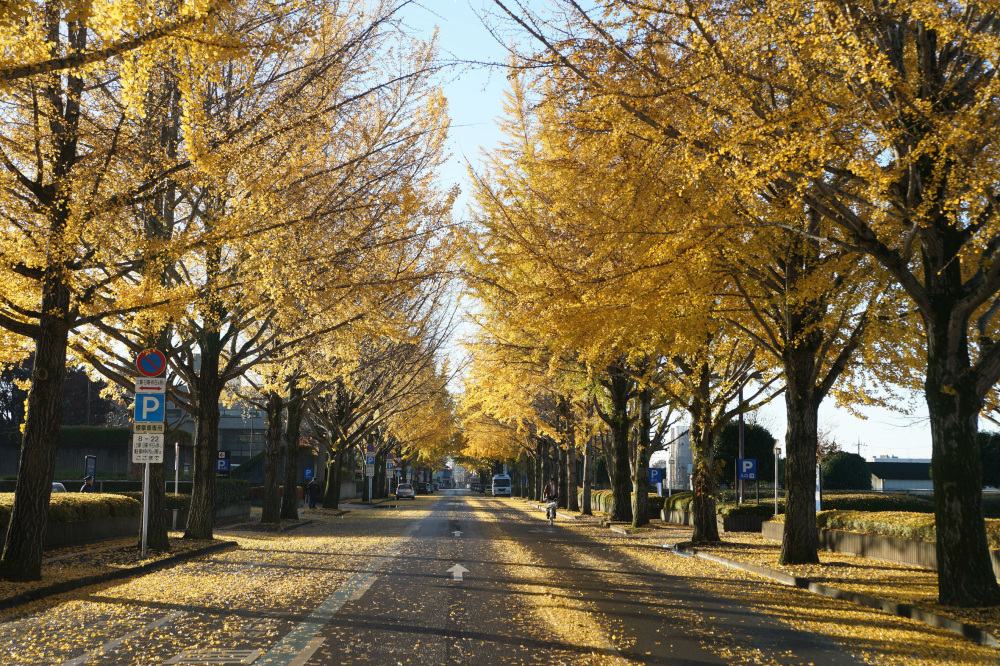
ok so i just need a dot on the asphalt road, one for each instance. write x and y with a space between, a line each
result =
453 578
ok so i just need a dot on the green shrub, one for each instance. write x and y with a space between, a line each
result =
656 504
901 524
991 506
231 491
679 501
173 501
73 507
878 502
843 470
747 509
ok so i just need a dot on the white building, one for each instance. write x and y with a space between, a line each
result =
901 474
676 458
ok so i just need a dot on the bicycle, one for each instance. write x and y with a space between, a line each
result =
550 511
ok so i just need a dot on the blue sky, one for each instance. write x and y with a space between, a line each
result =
475 95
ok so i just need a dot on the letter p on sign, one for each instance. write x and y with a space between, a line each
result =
150 408
747 468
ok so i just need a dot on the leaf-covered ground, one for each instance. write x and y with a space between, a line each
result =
875 636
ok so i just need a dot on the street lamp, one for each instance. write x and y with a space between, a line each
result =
777 453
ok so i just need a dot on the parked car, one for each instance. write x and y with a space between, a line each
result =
404 490
420 488
58 487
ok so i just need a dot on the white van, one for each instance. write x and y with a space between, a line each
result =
501 485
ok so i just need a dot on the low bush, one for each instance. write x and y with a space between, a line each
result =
679 501
878 502
746 509
180 502
73 507
232 491
902 524
257 492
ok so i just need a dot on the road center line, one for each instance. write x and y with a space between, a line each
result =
303 636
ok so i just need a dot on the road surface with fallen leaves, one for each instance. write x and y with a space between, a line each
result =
454 578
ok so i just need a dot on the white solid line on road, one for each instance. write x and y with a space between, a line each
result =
111 645
303 657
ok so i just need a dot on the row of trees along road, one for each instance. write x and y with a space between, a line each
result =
794 195
246 186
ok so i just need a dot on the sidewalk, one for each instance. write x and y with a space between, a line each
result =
73 567
894 588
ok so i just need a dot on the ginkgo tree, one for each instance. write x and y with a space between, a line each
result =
877 118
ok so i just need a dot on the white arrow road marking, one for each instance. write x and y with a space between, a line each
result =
458 571
457 533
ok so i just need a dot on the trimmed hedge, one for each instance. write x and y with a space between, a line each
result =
747 509
173 501
901 524
878 502
74 507
679 501
600 500
231 491
257 492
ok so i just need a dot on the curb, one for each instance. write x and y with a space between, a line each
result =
902 610
77 583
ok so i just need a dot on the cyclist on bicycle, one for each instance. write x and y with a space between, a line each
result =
551 494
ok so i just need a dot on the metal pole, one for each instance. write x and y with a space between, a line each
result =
177 479
145 510
739 482
776 480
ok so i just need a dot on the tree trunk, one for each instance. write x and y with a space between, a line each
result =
331 494
965 572
621 495
22 552
572 500
206 442
588 477
157 536
801 540
640 473
293 424
706 529
271 501
562 456
539 470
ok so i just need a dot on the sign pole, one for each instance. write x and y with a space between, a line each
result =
145 510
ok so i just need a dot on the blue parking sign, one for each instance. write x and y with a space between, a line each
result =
150 407
309 473
746 469
655 476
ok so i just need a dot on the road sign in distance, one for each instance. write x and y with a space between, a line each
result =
369 460
389 466
655 475
150 385
309 473
147 448
747 469
151 363
150 408
369 470
370 448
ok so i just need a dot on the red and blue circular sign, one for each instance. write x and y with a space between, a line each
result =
151 363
